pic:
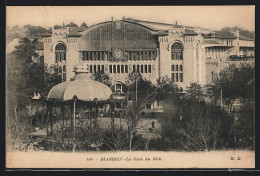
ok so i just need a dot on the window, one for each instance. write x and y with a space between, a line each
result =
141 56
134 56
122 69
173 77
90 69
118 68
150 69
93 55
60 52
114 68
177 73
144 56
98 68
145 68
118 88
60 47
172 67
89 56
138 69
60 56
103 69
126 68
101 56
108 55
176 51
105 56
95 68
110 68
142 68
133 68
181 77
212 76
180 67
150 55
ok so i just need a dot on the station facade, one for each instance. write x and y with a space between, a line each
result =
183 53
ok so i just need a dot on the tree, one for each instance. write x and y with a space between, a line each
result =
20 88
243 32
102 77
26 75
35 31
235 82
193 125
139 92
57 26
115 138
195 92
165 88
84 25
71 24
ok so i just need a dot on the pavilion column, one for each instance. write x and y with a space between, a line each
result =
51 120
47 117
75 98
71 119
111 114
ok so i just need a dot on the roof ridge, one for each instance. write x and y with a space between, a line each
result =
133 20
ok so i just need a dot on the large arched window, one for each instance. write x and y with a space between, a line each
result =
60 56
119 88
60 52
176 51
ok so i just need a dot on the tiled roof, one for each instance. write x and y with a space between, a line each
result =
225 35
60 27
211 42
190 32
46 35
242 37
74 34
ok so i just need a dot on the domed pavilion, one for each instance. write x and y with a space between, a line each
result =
79 91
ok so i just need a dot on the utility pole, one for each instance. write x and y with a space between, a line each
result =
136 91
75 98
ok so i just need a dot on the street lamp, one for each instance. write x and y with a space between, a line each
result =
221 95
136 80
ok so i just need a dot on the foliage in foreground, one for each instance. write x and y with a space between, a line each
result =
191 124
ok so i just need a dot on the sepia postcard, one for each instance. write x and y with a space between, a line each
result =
130 87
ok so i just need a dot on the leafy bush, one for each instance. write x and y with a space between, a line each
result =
196 126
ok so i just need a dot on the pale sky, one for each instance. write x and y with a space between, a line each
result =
211 17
